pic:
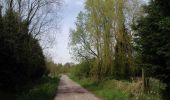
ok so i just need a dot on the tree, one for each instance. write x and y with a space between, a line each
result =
101 34
40 17
153 40
80 40
21 57
113 44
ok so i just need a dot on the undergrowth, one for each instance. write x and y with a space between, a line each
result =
45 90
121 90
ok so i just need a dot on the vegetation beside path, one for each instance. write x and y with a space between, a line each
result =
129 42
121 90
44 90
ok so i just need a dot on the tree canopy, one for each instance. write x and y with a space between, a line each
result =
153 39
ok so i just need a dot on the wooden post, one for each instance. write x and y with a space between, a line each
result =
143 79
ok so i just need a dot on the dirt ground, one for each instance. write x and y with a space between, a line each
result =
69 90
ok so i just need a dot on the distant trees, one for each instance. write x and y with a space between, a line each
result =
52 68
153 40
82 70
21 56
55 69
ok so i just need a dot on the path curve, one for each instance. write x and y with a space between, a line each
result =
69 90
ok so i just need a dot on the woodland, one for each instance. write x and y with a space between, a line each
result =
122 48
123 40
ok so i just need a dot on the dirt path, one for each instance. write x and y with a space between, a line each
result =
69 90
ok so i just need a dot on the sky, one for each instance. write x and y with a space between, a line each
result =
60 51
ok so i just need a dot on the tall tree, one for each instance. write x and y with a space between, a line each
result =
107 22
105 25
21 56
153 40
123 52
94 23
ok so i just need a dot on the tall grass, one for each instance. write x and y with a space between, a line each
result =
122 90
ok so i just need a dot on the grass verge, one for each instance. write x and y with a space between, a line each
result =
120 90
44 90
101 90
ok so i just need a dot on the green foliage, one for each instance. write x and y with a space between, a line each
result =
81 70
21 57
53 69
45 89
122 90
153 40
102 90
101 35
57 69
112 43
80 40
148 97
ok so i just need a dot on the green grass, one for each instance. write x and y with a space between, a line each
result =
121 90
101 90
44 90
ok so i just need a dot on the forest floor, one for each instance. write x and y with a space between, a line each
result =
70 90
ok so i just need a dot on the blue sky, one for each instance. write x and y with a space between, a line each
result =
60 51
